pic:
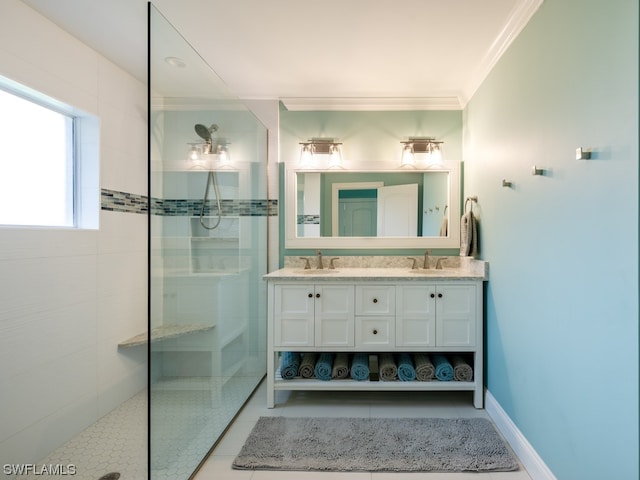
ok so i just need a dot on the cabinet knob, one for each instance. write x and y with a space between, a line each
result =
317 295
433 295
375 332
375 300
439 295
311 295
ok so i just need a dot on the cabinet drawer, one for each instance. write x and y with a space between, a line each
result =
375 332
375 300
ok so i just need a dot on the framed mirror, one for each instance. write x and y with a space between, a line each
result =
372 208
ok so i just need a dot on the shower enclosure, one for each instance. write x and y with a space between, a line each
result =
208 252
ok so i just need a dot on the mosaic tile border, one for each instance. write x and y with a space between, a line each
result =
235 208
308 220
116 201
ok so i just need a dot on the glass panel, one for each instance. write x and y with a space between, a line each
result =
208 254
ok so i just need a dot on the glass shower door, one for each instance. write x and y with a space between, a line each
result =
208 254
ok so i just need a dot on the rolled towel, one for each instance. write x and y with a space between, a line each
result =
388 369
289 365
444 370
308 364
462 371
406 372
340 366
324 366
360 366
425 371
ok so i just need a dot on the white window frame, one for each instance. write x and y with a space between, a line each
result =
83 161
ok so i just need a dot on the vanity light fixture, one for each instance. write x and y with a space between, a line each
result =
421 145
320 146
204 155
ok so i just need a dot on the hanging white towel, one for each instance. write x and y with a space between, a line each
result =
444 226
468 235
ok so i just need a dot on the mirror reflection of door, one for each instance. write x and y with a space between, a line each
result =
398 210
357 213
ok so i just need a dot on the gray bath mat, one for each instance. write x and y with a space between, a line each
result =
375 445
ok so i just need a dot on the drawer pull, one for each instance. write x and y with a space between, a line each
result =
433 295
375 332
375 300
311 295
317 295
439 295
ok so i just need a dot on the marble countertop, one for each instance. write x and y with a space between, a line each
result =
472 270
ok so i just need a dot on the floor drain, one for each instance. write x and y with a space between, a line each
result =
110 476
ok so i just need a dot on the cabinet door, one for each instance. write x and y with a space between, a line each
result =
375 300
416 316
334 315
456 315
293 315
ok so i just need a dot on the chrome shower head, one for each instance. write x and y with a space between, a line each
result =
205 132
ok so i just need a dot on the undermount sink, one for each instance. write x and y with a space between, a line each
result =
431 271
315 271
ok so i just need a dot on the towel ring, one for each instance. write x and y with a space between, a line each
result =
472 200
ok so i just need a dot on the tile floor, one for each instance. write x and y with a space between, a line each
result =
117 442
343 404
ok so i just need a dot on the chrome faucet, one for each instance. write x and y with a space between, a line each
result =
439 263
319 255
426 259
414 264
331 264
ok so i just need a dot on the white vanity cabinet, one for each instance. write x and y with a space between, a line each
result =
313 315
356 312
437 315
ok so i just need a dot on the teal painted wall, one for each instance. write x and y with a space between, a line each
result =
562 300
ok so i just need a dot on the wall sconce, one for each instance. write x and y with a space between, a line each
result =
421 145
201 155
320 146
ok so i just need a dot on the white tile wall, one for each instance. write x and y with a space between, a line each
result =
67 297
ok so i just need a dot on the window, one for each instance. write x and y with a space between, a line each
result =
40 163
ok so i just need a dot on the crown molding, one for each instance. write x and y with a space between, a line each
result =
516 22
371 103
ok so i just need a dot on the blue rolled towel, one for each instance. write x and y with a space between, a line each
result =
444 369
360 366
324 366
406 372
289 365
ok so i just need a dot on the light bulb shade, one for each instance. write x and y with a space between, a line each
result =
408 159
223 155
306 157
335 157
435 155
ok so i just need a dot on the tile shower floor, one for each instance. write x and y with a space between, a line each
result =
191 413
117 442
343 404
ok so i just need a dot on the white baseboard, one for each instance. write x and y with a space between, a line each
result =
530 459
